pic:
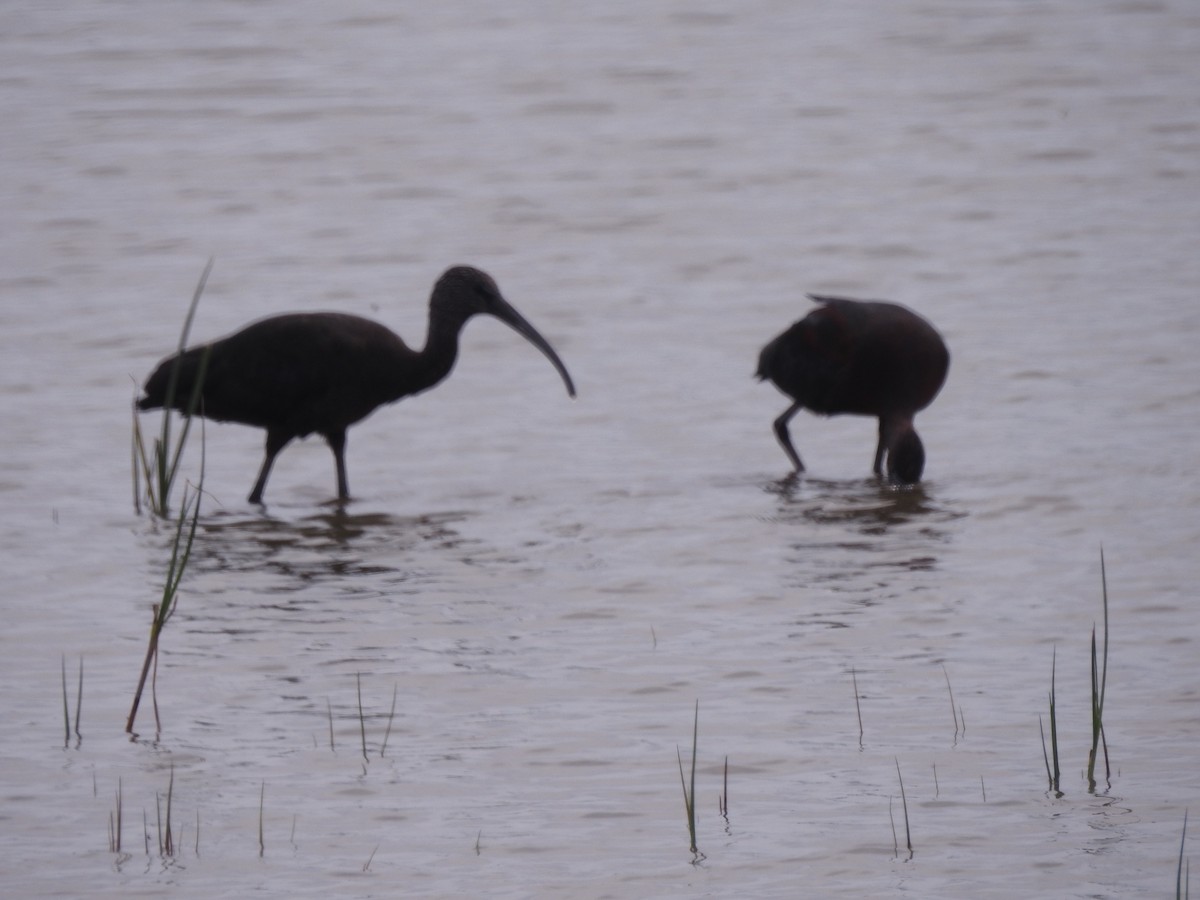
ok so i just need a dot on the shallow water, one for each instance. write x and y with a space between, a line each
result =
550 586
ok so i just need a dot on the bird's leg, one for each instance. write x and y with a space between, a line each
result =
881 449
337 443
275 442
785 440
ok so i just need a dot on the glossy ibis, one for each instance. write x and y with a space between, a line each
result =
862 357
301 373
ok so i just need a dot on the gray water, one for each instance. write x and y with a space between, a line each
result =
550 587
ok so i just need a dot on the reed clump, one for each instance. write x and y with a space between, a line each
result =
162 833
1053 775
67 706
157 468
689 786
362 723
1099 680
181 551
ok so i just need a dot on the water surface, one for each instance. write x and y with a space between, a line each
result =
548 587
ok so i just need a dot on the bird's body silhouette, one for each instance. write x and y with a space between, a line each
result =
304 373
862 357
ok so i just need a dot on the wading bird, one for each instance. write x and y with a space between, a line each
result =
866 358
301 373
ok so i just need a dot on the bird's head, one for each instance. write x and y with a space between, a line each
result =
464 291
906 456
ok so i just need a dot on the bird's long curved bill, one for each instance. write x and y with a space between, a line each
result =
509 316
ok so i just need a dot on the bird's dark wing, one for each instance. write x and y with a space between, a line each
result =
808 361
298 373
899 361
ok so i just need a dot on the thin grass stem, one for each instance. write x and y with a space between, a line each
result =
1054 721
1099 680
66 710
724 798
1045 753
120 813
953 709
158 821
689 791
262 796
79 702
857 706
892 819
1180 891
362 724
168 839
391 717
904 802
329 709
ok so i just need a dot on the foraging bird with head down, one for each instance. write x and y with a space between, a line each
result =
303 373
861 357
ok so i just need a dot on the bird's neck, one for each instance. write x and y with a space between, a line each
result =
438 355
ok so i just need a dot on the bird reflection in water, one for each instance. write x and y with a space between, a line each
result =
868 505
328 545
853 545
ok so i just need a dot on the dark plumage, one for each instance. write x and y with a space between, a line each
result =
305 373
866 358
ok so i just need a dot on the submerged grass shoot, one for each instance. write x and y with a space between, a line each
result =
391 717
723 798
362 724
1181 882
1099 680
689 789
329 709
66 705
168 839
66 709
115 821
262 797
367 864
1053 775
857 706
79 704
953 710
904 803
